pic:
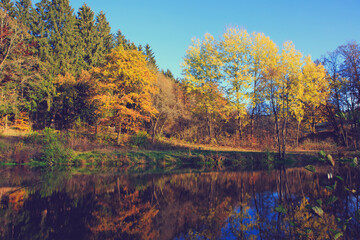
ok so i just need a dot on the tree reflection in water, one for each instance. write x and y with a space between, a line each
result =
291 204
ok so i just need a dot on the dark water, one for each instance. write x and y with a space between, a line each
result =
291 204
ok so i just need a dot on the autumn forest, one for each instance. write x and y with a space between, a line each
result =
98 140
65 69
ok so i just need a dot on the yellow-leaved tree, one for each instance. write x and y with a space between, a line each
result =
316 91
235 54
283 87
202 71
123 89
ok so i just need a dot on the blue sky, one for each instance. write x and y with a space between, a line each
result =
315 26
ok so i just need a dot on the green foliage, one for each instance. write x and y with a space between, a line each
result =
318 210
357 216
150 57
331 200
280 209
140 139
338 235
310 168
355 161
322 154
3 147
330 159
332 187
53 149
269 159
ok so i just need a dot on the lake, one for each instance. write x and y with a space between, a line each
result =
90 203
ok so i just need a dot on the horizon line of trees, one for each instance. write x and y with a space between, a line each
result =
62 69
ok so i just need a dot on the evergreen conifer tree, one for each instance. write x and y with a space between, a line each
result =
56 22
88 37
120 40
23 9
8 5
150 57
106 41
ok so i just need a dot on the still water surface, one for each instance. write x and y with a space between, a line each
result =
58 204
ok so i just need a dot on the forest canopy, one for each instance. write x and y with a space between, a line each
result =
65 69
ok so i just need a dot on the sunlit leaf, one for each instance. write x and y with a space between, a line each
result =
280 209
331 200
350 190
355 161
318 211
330 159
310 168
338 235
340 178
333 187
322 154
292 223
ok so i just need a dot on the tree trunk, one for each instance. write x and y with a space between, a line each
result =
297 134
118 138
6 121
154 129
252 124
278 135
162 127
240 129
209 125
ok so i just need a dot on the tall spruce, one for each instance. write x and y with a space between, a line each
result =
23 9
56 22
54 26
106 41
120 40
8 6
150 57
88 37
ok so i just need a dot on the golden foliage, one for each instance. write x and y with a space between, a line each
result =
22 122
123 88
132 218
311 226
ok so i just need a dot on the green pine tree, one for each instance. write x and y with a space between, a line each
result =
58 47
106 42
168 74
58 24
120 40
150 57
23 9
88 37
8 5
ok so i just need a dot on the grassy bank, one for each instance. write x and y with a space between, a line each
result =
50 147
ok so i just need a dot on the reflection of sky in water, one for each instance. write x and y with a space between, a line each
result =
251 203
250 214
248 217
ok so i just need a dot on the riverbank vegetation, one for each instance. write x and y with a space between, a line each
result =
74 86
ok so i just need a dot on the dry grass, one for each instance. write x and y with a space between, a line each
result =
210 147
13 150
318 145
9 132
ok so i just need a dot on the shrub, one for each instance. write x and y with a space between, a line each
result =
53 149
140 139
